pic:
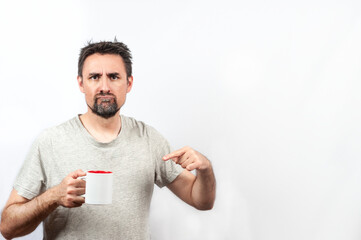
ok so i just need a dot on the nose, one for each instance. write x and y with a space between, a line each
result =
104 87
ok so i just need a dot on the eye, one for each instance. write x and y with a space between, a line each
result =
114 77
94 77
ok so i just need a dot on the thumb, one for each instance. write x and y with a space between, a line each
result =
78 173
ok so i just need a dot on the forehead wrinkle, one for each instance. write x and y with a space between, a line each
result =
104 64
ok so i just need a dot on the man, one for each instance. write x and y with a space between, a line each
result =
48 188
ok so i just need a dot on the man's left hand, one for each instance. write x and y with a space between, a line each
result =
189 159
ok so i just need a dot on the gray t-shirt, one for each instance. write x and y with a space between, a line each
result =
134 157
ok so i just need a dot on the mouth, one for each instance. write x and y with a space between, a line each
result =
105 97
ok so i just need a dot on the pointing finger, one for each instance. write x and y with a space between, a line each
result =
175 154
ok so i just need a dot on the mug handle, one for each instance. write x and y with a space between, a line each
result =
84 179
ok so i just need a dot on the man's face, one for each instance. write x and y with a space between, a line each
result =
104 83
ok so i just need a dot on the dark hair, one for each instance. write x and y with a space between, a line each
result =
117 48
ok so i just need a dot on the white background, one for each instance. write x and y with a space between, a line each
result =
268 90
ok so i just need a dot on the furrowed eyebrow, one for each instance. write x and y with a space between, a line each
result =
94 74
113 74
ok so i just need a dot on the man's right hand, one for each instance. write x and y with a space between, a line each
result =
68 192
21 216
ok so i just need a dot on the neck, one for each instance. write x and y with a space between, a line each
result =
103 130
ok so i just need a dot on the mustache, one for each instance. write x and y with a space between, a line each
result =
103 95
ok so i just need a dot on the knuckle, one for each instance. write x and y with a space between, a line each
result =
68 181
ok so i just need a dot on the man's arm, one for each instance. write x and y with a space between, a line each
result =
21 216
198 191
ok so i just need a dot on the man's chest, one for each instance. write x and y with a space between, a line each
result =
131 164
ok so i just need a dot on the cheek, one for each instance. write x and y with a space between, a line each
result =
120 89
89 96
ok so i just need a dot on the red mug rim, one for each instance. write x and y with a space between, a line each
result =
99 171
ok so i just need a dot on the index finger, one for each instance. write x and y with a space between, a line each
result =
174 154
79 183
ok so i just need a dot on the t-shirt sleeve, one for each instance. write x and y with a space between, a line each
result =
165 171
31 178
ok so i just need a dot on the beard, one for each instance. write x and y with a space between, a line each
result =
105 108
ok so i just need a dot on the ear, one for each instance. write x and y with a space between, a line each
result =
130 84
80 83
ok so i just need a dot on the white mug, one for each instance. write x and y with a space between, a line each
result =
99 187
